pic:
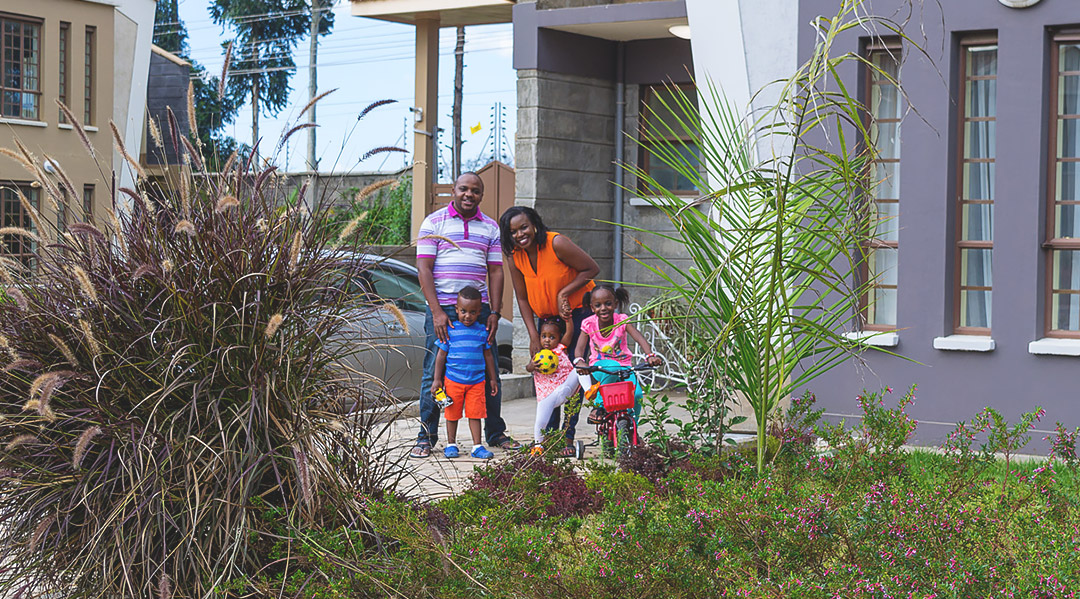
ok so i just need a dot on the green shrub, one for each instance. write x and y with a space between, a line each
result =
618 486
379 214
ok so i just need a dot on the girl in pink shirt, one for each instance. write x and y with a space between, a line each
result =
605 334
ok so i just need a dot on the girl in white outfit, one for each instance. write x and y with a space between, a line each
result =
552 390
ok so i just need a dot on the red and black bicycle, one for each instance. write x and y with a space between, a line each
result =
613 412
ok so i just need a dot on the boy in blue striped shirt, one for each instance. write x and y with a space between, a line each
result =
461 366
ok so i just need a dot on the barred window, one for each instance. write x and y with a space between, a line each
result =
64 66
88 76
976 155
12 214
883 104
88 203
20 68
1063 194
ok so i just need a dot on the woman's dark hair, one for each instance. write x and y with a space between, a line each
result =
622 296
553 320
534 218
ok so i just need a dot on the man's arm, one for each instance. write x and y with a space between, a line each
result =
495 298
426 273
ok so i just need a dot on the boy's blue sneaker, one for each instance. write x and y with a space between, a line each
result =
451 451
482 453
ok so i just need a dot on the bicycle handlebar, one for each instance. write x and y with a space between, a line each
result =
619 369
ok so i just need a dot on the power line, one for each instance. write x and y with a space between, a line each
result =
349 62
257 17
338 49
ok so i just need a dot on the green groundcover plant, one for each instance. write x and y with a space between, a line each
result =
169 374
862 519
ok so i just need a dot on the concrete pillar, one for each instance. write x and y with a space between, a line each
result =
425 121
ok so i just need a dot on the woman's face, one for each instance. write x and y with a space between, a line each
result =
522 231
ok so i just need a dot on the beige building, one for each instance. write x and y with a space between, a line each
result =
93 56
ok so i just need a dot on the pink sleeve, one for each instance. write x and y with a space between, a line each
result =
426 248
494 253
620 323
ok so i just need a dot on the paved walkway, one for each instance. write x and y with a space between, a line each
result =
436 477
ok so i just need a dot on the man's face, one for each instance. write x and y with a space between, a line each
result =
468 192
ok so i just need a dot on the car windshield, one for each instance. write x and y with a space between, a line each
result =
399 287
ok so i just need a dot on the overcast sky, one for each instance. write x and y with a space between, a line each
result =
369 60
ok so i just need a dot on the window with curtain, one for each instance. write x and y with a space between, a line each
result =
1063 194
975 199
883 104
659 115
20 68
64 67
12 214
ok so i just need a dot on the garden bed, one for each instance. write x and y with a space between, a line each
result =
864 519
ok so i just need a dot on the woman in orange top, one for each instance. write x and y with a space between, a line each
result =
551 275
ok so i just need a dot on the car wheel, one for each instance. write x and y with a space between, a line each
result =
506 364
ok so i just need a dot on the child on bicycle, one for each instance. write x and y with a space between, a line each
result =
462 362
555 389
605 334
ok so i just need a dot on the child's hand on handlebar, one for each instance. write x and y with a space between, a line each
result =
581 366
654 360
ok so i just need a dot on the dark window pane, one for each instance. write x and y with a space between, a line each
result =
975 268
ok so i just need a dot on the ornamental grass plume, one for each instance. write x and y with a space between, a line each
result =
225 203
273 325
83 445
155 132
118 141
165 415
84 283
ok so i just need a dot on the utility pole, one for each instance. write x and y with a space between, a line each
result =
313 86
459 75
255 110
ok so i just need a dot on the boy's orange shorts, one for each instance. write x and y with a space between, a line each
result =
468 398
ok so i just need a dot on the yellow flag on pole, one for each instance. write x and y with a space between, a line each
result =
475 128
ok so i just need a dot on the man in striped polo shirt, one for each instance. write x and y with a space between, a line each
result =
458 247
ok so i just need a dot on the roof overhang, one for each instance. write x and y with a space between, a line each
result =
621 22
169 56
451 13
625 31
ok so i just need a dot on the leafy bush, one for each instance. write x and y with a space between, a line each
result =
379 214
162 373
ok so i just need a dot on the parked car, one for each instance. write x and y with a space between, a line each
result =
396 353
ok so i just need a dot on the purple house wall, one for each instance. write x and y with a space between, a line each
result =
954 385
